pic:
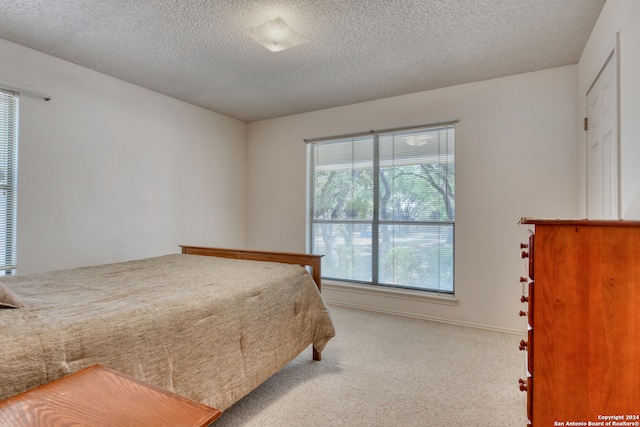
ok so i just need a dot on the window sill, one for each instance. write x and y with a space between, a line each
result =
406 294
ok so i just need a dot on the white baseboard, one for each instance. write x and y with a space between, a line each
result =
389 301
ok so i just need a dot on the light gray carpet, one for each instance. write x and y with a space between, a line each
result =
386 370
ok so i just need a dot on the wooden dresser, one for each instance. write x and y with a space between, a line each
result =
582 302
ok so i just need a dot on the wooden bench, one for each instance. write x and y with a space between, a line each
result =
101 397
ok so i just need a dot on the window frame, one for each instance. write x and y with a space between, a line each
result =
375 222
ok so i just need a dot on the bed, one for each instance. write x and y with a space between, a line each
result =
209 324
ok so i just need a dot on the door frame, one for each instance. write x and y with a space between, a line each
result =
611 55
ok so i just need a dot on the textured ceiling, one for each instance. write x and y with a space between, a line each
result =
359 50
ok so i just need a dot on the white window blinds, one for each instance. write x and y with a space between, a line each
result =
8 179
382 207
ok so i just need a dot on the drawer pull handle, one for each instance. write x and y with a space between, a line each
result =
525 254
523 384
524 298
522 313
523 345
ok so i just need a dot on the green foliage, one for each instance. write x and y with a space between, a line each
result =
425 267
407 193
404 266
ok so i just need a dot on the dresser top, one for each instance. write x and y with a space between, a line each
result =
582 221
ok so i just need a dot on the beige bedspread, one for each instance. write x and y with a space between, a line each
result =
211 329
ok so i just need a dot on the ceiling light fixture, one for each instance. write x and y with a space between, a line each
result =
275 35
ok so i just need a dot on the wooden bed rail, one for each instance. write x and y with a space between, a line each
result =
314 261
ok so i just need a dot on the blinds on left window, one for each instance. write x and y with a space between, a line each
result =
8 179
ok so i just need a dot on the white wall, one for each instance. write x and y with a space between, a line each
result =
109 171
621 16
515 155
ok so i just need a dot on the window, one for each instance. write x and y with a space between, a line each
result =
381 207
8 178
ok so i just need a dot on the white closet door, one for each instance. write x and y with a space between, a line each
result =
602 145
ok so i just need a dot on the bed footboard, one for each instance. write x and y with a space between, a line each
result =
313 261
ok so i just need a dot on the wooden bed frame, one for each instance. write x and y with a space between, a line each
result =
313 261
